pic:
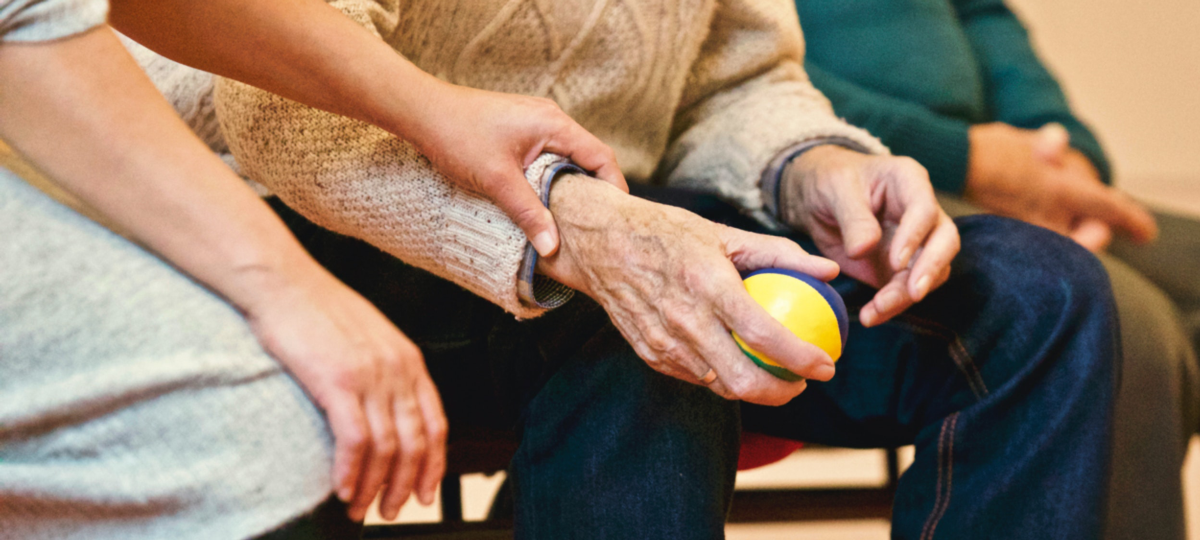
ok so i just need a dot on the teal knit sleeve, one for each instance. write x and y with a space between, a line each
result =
938 142
1020 90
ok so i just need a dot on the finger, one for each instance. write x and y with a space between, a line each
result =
852 211
762 333
916 224
891 300
436 431
351 436
380 456
750 251
1119 211
1093 234
590 153
1051 142
935 257
410 457
521 204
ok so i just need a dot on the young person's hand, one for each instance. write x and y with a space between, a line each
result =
669 281
483 141
1035 176
877 217
387 421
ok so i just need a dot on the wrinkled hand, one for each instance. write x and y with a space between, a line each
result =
371 381
1035 176
483 141
877 217
669 281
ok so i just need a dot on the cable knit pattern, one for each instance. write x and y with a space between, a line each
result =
695 93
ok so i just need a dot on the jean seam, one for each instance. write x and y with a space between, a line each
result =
955 347
945 471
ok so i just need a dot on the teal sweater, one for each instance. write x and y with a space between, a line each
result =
918 73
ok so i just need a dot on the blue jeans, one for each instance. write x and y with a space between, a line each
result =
1003 379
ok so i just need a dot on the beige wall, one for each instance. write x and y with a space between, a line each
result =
1132 69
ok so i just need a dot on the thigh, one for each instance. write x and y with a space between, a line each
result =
1170 264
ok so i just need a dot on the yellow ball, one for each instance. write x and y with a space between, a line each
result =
806 306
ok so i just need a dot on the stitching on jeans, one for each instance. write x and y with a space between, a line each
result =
937 498
949 475
956 348
945 462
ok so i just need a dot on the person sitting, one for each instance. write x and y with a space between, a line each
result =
201 377
956 85
628 401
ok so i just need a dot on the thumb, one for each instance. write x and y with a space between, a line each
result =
1092 234
521 204
1051 142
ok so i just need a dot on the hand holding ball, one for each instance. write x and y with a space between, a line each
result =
807 306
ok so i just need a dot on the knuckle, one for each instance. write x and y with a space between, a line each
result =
527 215
438 430
659 341
414 446
741 387
385 442
355 440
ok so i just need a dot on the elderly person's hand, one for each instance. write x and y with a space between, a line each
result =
1035 176
669 280
877 217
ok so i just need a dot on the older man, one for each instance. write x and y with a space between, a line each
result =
1002 373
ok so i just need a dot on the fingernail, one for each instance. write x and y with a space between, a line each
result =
905 255
922 287
886 301
345 494
823 372
543 243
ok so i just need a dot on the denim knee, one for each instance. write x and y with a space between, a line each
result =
1029 281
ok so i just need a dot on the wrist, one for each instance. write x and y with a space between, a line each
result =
582 206
413 103
801 172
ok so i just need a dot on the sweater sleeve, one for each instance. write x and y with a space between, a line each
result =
747 101
45 20
938 142
359 180
1020 90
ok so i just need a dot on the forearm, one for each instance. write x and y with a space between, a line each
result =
304 50
81 111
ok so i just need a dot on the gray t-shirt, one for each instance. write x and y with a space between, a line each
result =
45 20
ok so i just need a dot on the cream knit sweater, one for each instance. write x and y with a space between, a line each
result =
696 93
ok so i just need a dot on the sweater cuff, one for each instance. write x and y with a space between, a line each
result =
533 289
773 174
942 147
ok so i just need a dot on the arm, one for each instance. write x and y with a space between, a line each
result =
79 109
361 180
1020 90
309 52
747 101
747 106
935 141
